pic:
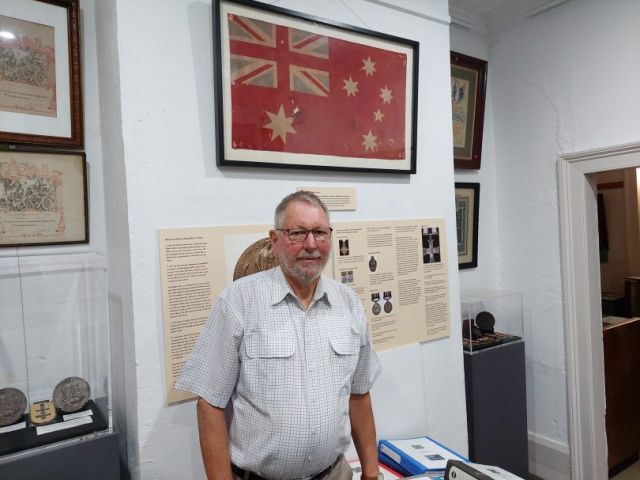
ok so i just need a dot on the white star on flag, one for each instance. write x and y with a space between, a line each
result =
385 95
280 125
368 66
378 114
369 141
351 87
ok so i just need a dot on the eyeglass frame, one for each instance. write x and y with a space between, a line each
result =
287 231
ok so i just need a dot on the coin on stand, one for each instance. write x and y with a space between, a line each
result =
71 394
13 403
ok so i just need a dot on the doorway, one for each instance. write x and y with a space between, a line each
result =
580 265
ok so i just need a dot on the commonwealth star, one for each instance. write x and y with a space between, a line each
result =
280 125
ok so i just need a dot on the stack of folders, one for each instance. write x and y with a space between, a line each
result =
416 456
386 472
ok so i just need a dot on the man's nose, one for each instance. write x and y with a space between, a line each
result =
310 242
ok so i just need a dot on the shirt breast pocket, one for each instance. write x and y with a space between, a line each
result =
345 349
269 361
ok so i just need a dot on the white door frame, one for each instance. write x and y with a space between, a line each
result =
581 299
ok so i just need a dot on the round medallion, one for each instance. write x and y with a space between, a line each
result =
13 403
71 394
376 308
485 321
388 307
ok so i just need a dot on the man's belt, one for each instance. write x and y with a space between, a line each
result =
248 475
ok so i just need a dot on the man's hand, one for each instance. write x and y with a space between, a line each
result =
214 441
363 431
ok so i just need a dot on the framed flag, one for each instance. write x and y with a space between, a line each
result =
467 210
468 86
296 91
40 85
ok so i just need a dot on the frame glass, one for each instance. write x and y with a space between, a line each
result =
40 85
297 91
468 86
467 210
43 198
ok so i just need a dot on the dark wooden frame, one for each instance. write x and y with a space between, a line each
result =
473 70
470 190
82 196
294 160
75 139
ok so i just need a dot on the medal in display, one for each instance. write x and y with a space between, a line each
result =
42 413
13 403
71 394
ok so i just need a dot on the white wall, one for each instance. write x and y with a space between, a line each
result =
556 88
164 174
486 274
556 84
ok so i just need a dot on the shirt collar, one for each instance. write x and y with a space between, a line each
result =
281 288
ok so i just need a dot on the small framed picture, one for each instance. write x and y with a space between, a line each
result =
40 85
468 87
43 198
467 210
296 91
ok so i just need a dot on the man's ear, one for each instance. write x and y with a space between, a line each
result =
273 236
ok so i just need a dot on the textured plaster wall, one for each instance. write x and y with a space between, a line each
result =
557 86
165 83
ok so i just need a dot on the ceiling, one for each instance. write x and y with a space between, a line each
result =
490 17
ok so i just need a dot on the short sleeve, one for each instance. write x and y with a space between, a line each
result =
212 369
368 368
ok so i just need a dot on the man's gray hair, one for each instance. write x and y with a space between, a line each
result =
299 196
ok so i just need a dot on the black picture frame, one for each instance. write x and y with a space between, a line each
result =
273 112
468 92
467 213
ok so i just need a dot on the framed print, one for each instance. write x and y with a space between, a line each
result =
467 209
468 86
43 198
297 91
40 86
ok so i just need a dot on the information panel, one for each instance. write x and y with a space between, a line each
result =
398 268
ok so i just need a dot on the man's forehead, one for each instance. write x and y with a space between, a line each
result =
301 210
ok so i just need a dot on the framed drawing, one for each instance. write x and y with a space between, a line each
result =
43 198
40 86
297 91
467 209
468 86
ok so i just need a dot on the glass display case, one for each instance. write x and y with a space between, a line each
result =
490 318
54 350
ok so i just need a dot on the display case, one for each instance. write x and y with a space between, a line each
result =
490 318
495 384
54 351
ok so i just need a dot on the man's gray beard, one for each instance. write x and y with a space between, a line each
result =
291 267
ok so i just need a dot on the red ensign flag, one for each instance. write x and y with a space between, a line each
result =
299 92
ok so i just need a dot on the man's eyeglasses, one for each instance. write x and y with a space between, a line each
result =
299 235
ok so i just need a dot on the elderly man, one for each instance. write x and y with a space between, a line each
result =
284 365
